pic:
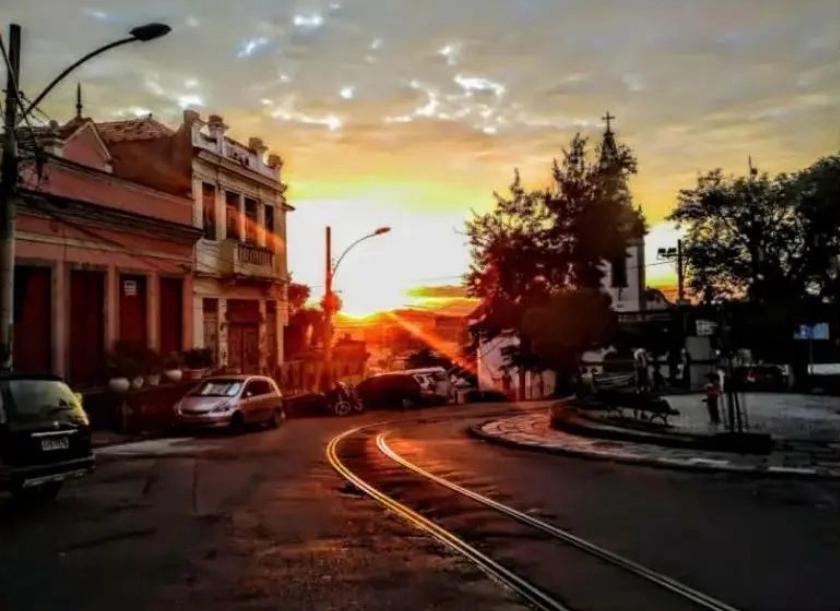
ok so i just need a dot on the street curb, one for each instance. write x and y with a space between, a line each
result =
477 431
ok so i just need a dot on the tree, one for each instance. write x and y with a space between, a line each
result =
536 245
297 296
571 322
766 239
426 357
816 193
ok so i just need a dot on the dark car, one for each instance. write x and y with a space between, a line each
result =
390 390
769 378
44 435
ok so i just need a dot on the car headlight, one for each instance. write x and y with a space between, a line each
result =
221 408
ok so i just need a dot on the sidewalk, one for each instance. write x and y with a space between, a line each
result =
533 431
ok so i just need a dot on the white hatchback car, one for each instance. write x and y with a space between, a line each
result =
232 401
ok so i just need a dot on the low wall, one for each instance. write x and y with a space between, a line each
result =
143 410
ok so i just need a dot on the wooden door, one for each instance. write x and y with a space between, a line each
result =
87 326
235 333
171 315
244 347
32 330
251 348
133 325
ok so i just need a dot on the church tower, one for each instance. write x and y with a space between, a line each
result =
624 277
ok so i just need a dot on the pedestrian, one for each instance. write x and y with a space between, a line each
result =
712 390
685 358
658 378
641 361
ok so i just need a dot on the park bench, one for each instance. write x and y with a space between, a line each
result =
646 407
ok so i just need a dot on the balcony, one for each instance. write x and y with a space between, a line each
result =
237 259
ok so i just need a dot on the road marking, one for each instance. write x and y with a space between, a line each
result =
663 580
528 591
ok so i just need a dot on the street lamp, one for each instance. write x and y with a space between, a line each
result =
329 296
143 33
675 254
9 171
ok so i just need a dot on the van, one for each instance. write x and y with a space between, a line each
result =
44 435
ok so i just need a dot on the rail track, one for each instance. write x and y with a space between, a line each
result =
547 566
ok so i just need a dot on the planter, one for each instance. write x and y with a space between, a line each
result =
173 375
137 383
152 379
119 384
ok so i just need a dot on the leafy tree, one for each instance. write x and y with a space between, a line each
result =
816 193
571 322
297 295
426 357
766 239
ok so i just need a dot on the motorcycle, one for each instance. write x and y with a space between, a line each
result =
343 400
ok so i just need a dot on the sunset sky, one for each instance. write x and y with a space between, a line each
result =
410 114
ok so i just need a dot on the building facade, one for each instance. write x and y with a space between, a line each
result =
238 203
98 259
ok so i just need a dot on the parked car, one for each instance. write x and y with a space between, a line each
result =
44 436
760 377
396 389
233 401
435 384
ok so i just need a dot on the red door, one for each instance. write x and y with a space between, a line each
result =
87 326
133 309
171 315
32 319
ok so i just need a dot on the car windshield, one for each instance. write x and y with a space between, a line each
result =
34 399
218 388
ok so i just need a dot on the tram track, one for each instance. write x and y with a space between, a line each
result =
469 523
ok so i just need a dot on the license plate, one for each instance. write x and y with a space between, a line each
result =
60 443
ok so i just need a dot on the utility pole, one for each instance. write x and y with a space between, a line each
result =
328 309
8 192
680 274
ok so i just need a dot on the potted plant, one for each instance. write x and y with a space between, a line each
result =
172 366
197 361
125 367
152 366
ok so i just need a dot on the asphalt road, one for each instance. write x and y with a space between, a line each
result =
260 521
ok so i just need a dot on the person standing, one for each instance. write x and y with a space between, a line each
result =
712 390
641 360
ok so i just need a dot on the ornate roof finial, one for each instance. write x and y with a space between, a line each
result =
79 100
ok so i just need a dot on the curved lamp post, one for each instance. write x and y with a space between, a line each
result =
143 33
329 297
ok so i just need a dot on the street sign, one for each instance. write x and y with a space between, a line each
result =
816 332
705 327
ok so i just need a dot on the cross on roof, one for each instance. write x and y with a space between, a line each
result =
608 117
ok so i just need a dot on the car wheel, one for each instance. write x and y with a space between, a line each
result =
277 417
342 408
237 422
38 494
407 402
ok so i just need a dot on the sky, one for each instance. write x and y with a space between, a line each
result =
410 114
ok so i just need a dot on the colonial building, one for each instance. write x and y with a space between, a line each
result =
238 204
98 258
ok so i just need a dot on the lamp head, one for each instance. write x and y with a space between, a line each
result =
381 230
150 31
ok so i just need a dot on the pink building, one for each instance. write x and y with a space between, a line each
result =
99 258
